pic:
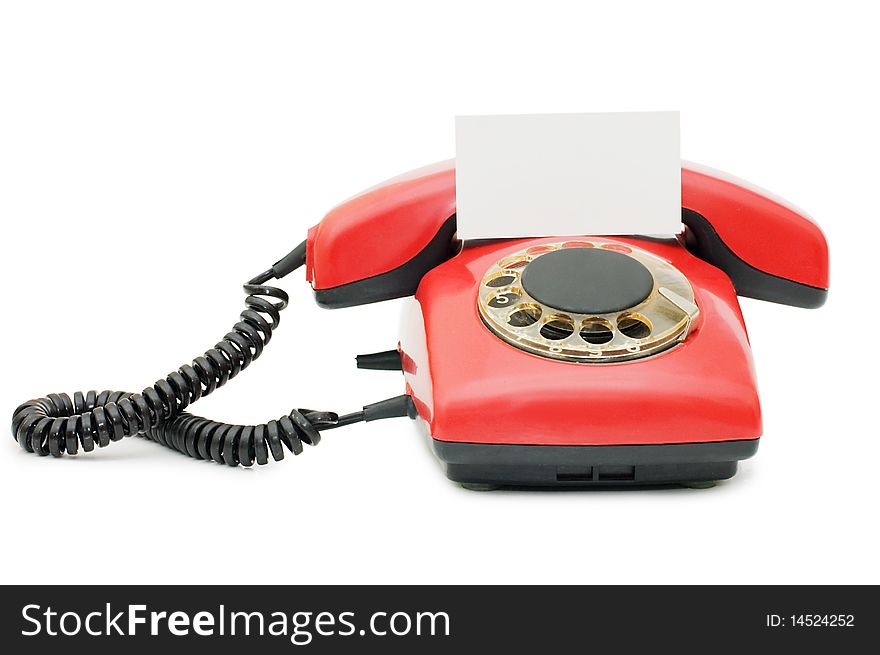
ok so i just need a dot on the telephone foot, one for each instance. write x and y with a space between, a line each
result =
703 484
479 486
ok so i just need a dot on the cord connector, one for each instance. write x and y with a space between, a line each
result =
387 360
396 407
290 262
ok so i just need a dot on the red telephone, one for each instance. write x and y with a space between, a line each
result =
543 361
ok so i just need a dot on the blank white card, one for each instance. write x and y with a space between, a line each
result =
568 174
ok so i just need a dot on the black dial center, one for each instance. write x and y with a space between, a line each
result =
587 280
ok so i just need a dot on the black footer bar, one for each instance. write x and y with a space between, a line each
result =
437 619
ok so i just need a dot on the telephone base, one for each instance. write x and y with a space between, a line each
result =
592 466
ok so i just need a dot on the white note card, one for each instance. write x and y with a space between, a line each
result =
568 174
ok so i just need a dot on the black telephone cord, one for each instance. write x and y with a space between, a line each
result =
56 424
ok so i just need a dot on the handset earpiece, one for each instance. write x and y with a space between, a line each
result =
379 244
769 249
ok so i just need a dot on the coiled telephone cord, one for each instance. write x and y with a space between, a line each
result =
58 424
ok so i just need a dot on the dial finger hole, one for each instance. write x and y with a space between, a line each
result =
616 247
502 300
540 250
596 331
577 244
501 280
524 316
635 326
557 328
514 262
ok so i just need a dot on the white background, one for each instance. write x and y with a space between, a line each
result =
155 155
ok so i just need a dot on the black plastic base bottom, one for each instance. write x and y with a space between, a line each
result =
577 466
559 476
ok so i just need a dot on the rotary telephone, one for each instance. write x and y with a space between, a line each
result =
538 362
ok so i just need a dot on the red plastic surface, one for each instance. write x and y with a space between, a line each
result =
381 228
470 386
385 226
763 231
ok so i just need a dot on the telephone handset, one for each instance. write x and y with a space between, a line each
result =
770 250
539 361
